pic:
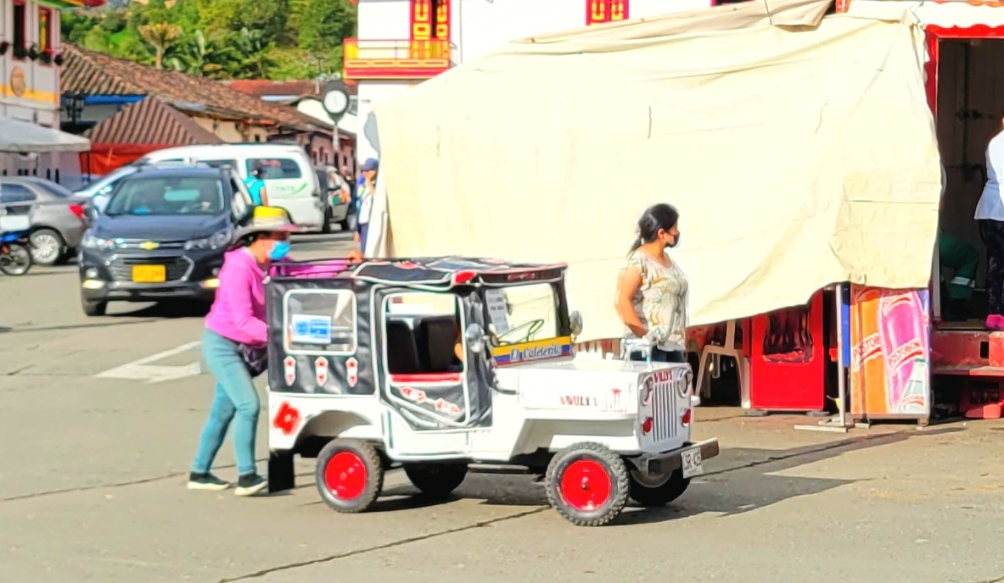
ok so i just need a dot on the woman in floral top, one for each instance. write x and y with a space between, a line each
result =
652 291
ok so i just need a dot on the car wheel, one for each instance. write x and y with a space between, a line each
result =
47 247
326 226
650 491
15 259
587 484
349 475
93 308
436 481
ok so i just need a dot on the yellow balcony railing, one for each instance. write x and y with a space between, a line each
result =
395 59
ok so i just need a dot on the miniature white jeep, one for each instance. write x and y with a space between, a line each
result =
368 372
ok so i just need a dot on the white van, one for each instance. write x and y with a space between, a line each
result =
290 180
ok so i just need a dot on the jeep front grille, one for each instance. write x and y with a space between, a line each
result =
664 422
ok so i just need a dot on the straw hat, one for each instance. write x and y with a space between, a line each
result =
265 219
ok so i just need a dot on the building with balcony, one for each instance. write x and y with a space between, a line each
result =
404 42
30 61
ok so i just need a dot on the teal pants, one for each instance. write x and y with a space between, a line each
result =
235 400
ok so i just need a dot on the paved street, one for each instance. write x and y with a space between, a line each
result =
94 461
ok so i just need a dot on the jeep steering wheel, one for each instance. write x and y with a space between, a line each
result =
533 326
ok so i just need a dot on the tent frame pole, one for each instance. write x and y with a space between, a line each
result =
838 423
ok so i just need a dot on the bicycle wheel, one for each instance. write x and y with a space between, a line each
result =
15 259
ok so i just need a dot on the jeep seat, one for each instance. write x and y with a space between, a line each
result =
438 336
402 350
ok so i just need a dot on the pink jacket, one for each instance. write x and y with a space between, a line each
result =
238 312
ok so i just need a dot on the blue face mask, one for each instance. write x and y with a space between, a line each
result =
279 250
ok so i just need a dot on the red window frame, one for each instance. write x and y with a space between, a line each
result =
45 36
600 11
429 20
20 30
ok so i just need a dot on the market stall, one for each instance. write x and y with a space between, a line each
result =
799 150
964 45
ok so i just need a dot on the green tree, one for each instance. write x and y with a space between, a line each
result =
114 21
266 17
204 58
96 40
74 26
325 25
161 36
255 60
272 39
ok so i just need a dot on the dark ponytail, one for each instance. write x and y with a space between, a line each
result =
660 217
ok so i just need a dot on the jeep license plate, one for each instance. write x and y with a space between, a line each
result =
692 462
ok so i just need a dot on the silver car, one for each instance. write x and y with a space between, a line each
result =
58 218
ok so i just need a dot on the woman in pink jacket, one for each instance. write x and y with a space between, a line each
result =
236 325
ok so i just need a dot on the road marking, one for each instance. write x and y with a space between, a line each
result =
142 370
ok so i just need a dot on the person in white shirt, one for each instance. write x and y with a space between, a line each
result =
990 216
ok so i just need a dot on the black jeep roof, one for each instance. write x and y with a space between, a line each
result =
450 271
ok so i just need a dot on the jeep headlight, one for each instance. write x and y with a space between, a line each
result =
97 243
217 240
685 383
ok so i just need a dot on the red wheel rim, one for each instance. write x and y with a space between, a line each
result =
585 485
345 475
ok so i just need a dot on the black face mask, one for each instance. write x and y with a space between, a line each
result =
676 241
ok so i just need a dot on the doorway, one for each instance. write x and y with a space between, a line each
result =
966 90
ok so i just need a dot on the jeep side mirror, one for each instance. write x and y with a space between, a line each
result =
575 319
475 338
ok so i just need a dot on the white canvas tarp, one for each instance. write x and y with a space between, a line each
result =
799 150
22 136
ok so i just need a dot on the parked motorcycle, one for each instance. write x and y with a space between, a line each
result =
15 253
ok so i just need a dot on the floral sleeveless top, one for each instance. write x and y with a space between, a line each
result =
661 302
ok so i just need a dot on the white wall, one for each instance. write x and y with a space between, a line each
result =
371 93
97 113
649 8
478 26
384 19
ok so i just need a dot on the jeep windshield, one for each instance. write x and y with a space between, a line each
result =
168 195
522 313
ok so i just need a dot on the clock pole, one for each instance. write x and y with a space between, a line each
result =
335 101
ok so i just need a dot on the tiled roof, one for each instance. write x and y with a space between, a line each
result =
151 121
261 88
293 88
91 73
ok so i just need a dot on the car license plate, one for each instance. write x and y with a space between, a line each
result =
692 462
149 273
